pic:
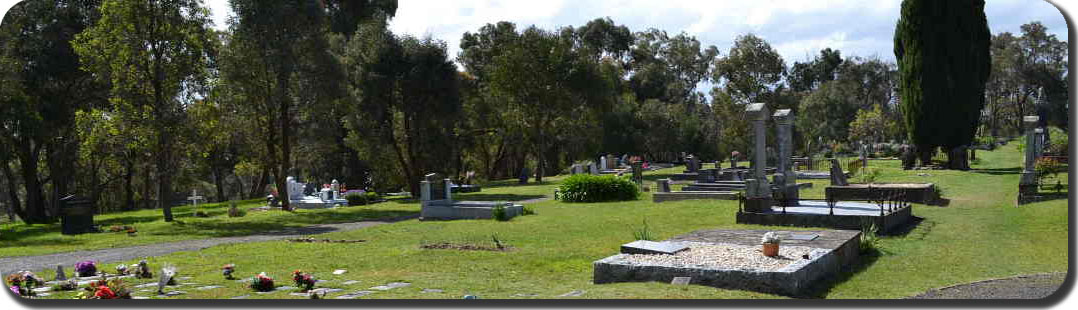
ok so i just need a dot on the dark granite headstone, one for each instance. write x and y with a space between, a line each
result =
651 247
838 178
77 215
437 185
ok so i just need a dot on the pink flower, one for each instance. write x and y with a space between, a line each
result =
15 289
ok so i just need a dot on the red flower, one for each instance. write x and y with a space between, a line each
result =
104 292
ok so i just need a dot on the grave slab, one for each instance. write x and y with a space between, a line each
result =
355 295
651 247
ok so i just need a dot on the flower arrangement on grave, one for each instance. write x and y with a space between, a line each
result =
771 241
262 283
121 269
304 281
735 155
143 271
86 268
131 231
107 289
66 285
227 271
23 283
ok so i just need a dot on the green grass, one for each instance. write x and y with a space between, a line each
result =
18 239
980 235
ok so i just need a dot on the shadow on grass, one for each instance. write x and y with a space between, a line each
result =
820 289
285 224
904 230
998 171
495 197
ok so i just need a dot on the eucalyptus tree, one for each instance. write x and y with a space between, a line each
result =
43 86
750 70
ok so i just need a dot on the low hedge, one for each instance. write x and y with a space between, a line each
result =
596 188
358 199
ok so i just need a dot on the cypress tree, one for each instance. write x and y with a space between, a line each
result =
943 64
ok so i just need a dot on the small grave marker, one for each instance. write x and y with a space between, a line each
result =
804 237
681 280
195 198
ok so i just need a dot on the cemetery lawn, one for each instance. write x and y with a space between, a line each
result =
17 239
980 235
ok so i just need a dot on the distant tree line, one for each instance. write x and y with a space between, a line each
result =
134 103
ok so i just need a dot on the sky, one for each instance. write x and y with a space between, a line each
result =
797 29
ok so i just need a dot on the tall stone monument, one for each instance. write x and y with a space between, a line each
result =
785 178
1028 183
757 189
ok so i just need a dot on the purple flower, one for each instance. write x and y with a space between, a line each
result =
15 289
86 268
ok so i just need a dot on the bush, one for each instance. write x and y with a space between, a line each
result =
356 199
234 211
372 197
869 240
593 188
643 233
498 213
1044 167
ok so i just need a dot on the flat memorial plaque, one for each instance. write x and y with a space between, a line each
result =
681 280
804 237
651 247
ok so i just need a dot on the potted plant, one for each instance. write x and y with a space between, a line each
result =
771 242
262 283
304 281
227 271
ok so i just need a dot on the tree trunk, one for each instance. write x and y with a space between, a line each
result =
285 121
259 184
147 187
12 191
129 191
164 174
218 181
35 197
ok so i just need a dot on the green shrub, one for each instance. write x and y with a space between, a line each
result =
643 233
1044 167
498 213
593 188
356 199
234 211
372 197
869 239
527 211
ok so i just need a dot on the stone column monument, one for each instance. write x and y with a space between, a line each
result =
757 189
785 178
1028 183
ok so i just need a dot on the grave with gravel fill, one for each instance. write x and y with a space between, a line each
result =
733 259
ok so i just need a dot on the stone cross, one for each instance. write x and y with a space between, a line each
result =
194 198
1028 174
758 113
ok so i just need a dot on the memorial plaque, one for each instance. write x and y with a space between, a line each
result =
681 280
651 247
803 237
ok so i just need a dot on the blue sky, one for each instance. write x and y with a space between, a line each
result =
798 29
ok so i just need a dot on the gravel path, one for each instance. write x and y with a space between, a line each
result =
50 261
1034 286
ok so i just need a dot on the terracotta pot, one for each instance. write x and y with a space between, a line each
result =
771 249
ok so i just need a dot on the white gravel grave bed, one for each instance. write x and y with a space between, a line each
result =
723 256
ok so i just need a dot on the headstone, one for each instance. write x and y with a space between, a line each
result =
593 169
60 276
602 163
524 174
1029 176
166 276
611 161
786 178
758 113
437 185
335 190
77 215
652 247
664 185
803 236
295 190
838 178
